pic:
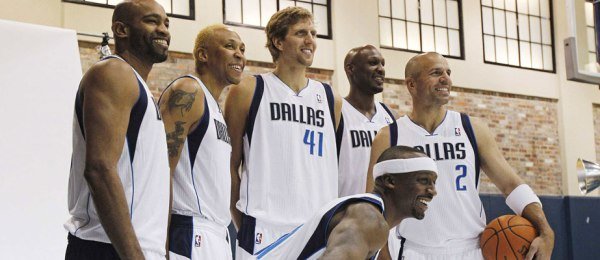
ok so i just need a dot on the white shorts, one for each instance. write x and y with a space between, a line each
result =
255 235
152 255
411 251
197 238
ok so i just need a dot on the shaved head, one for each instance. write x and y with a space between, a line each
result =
352 53
124 10
415 64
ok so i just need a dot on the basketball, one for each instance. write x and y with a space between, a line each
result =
507 237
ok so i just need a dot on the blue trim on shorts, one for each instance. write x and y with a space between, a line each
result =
272 246
181 235
245 235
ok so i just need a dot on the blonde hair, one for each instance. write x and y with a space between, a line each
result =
202 40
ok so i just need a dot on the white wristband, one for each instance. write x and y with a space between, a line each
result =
520 197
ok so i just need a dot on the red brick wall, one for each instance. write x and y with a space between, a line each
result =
179 64
525 128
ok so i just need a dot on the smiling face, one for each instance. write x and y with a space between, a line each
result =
225 56
299 44
431 82
415 191
366 71
149 36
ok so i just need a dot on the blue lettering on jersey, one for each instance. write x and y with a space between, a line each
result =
444 151
362 138
221 129
297 113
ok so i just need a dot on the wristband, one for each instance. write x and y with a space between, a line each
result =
520 197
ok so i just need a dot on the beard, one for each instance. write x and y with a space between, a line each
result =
146 48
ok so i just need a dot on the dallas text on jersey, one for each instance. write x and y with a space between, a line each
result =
297 113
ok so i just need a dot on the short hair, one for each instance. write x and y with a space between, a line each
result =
352 53
278 26
123 10
400 152
392 153
412 69
202 40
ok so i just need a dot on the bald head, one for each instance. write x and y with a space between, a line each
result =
124 11
353 53
415 65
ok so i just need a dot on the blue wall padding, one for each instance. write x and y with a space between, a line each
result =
584 222
575 237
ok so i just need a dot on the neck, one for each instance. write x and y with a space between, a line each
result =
214 86
365 104
428 116
293 76
142 67
392 215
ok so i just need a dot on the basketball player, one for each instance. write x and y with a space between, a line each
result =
460 145
283 126
119 181
357 226
194 123
363 117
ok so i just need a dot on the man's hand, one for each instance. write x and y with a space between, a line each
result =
541 247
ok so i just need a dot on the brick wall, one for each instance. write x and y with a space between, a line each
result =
525 128
179 64
597 130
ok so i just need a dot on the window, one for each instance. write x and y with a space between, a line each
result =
591 35
174 8
518 33
421 26
256 13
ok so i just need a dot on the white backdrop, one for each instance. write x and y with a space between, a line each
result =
39 73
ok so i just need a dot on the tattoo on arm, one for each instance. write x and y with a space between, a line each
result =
175 139
182 100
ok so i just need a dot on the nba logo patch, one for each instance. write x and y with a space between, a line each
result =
457 131
258 238
319 99
388 120
198 241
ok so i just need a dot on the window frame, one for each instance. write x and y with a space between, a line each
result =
192 15
460 30
551 18
329 35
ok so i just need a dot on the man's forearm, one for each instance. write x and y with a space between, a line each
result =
534 213
111 206
236 215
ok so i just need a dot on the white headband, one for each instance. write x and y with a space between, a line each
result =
404 166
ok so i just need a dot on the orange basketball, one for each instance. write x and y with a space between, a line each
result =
507 237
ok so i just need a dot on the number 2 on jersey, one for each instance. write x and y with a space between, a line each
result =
309 139
462 169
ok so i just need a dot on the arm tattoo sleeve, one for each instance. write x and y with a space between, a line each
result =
175 139
182 100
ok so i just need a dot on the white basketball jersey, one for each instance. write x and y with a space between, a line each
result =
309 240
290 154
355 151
143 169
455 217
202 181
